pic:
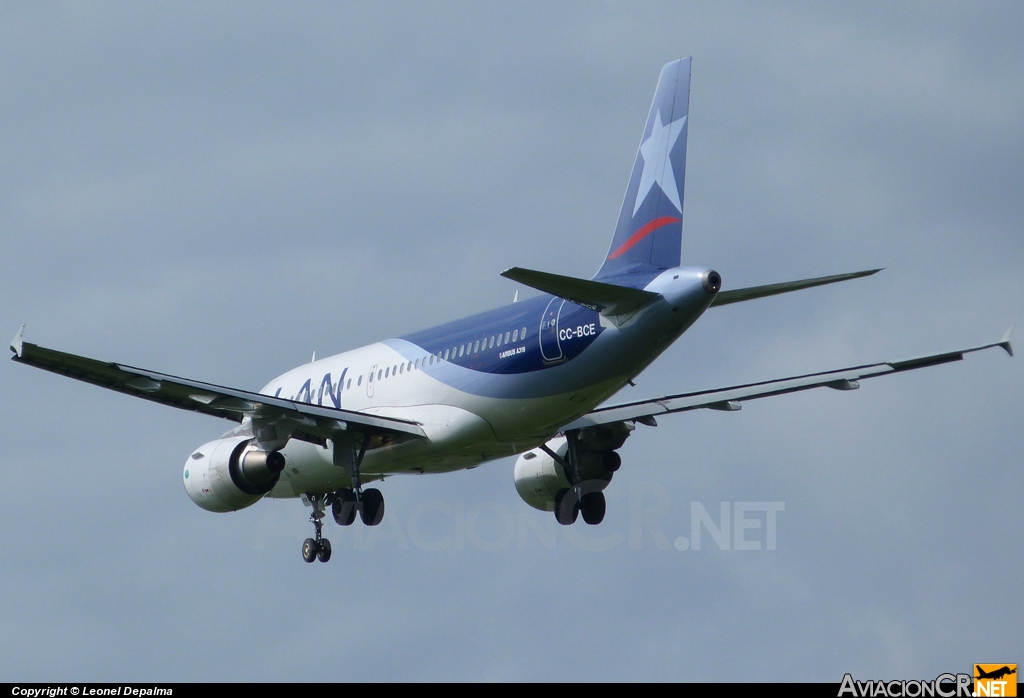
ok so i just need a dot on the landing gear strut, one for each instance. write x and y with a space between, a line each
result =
582 497
319 547
347 501
344 504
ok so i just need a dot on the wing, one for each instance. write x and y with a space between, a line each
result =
315 423
729 399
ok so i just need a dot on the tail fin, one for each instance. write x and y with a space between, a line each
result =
649 233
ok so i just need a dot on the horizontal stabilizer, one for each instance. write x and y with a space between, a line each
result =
752 292
608 298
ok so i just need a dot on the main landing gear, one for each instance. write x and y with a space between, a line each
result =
583 496
369 503
344 503
570 503
347 501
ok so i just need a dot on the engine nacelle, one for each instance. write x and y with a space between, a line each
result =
231 474
538 476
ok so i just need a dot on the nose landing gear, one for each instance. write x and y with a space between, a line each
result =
319 547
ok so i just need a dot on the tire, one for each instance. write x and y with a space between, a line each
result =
567 507
372 511
324 553
309 550
593 507
344 507
612 461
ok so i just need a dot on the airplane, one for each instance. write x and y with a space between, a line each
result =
528 379
995 674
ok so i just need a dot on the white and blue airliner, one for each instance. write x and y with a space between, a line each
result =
529 379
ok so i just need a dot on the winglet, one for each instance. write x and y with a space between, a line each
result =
1005 341
16 343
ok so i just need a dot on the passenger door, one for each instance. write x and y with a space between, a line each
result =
550 348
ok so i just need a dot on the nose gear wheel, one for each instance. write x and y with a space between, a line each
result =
318 547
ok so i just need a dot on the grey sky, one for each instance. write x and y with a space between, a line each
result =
217 190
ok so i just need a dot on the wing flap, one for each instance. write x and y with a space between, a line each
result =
206 398
729 399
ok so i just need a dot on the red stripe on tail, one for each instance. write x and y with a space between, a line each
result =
642 233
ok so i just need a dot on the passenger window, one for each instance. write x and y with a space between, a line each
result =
387 372
348 386
490 343
359 380
378 374
401 369
445 354
409 367
522 333
515 336
462 349
394 370
417 363
506 337
476 347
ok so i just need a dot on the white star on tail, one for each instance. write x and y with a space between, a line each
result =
657 167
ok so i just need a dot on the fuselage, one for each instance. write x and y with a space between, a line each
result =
487 386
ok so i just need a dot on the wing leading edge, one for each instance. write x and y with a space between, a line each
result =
228 403
730 399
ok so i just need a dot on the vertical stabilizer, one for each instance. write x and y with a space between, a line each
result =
649 232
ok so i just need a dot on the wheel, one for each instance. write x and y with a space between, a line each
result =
324 553
612 461
344 507
309 550
593 506
372 511
567 507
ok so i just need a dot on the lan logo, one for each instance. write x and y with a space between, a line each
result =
995 680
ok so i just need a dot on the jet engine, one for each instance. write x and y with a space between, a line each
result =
538 476
231 473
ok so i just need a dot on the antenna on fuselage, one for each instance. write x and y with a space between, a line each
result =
313 360
515 298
